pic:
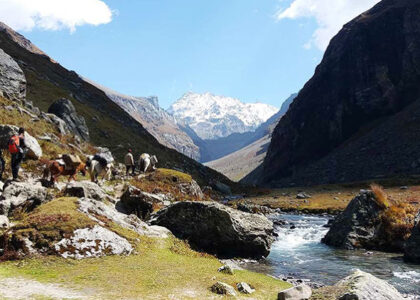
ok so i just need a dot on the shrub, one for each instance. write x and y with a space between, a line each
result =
380 195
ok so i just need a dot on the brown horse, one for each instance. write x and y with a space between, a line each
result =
54 169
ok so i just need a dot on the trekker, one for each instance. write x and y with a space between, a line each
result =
16 149
2 165
129 163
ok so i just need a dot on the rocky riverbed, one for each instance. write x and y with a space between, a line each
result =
299 254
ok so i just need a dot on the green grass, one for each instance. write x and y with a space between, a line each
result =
160 269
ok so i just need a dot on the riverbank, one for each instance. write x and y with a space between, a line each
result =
329 199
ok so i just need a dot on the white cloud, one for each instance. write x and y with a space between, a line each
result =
53 14
330 16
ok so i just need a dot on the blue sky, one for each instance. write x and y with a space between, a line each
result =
236 48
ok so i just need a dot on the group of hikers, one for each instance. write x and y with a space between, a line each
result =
17 150
71 165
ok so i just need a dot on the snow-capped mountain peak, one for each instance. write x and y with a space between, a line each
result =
213 116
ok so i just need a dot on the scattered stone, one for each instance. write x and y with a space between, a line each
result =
222 288
22 195
362 285
244 288
404 187
12 79
412 245
300 292
87 189
218 229
256 209
4 222
226 270
93 242
303 195
65 110
32 145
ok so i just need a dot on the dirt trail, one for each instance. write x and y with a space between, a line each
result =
20 288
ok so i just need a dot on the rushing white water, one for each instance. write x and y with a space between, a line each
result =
298 252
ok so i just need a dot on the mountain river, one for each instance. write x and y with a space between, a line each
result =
299 253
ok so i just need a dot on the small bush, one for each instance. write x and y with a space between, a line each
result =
380 195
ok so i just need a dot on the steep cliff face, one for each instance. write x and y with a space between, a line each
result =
346 123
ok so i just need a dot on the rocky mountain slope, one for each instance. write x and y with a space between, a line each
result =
213 117
163 126
109 125
357 118
252 147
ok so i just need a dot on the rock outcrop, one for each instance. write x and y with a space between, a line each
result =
359 226
12 79
222 288
356 118
65 110
364 286
87 189
412 245
93 242
218 229
140 203
32 145
24 196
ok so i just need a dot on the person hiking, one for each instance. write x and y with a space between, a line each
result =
17 150
2 165
129 163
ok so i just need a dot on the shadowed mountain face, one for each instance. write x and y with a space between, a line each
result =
109 125
358 117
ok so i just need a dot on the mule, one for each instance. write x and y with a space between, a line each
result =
54 170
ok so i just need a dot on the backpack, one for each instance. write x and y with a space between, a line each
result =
14 144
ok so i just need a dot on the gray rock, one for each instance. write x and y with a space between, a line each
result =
300 292
93 242
226 270
12 78
140 203
192 189
360 226
364 286
244 288
105 153
65 110
256 209
22 195
94 208
218 229
4 222
86 189
222 288
62 126
32 145
303 195
412 245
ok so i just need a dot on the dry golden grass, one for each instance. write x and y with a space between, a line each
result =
380 195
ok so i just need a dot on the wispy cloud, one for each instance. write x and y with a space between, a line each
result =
53 14
330 16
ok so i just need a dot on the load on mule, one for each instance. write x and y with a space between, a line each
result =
99 165
146 161
66 165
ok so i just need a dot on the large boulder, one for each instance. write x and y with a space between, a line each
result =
32 145
65 110
86 189
21 195
412 245
300 292
359 226
218 229
93 242
364 286
94 208
140 203
12 78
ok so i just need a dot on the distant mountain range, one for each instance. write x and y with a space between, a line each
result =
213 117
164 127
